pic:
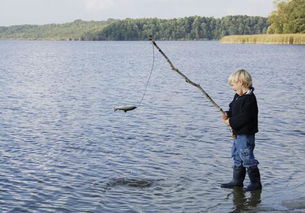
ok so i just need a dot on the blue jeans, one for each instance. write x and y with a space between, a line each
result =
242 151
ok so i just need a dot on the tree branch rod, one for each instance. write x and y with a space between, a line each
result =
186 78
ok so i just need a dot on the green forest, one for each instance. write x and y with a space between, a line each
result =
188 28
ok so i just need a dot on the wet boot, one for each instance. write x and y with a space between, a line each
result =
239 174
255 179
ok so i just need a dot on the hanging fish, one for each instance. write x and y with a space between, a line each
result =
125 108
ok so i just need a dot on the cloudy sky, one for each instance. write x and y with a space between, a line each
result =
15 12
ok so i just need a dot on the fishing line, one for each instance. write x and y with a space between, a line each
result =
132 107
151 70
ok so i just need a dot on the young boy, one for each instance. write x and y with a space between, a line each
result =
242 117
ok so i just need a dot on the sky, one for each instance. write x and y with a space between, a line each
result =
17 12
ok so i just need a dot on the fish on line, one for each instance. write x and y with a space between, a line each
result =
125 108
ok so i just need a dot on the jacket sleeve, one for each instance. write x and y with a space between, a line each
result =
247 114
229 112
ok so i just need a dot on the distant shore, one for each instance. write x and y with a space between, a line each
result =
264 39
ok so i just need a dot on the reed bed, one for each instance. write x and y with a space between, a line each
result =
265 39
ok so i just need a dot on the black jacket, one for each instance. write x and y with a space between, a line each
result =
243 114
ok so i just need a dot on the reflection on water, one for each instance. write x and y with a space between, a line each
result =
243 201
63 149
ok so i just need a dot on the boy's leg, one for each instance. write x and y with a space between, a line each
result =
246 146
255 179
239 172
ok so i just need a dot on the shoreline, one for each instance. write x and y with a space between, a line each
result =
264 39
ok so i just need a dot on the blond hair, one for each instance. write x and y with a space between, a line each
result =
241 75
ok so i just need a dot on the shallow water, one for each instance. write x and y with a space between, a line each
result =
63 149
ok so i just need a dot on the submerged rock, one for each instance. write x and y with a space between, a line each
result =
130 182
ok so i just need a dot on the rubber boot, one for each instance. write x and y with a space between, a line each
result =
255 179
239 174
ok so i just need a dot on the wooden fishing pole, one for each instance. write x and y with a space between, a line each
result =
187 79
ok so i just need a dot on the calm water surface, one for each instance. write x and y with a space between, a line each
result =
63 149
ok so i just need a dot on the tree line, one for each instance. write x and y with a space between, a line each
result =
67 31
188 28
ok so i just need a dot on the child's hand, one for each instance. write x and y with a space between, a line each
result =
225 116
227 121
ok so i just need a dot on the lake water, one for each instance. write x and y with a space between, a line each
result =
64 149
